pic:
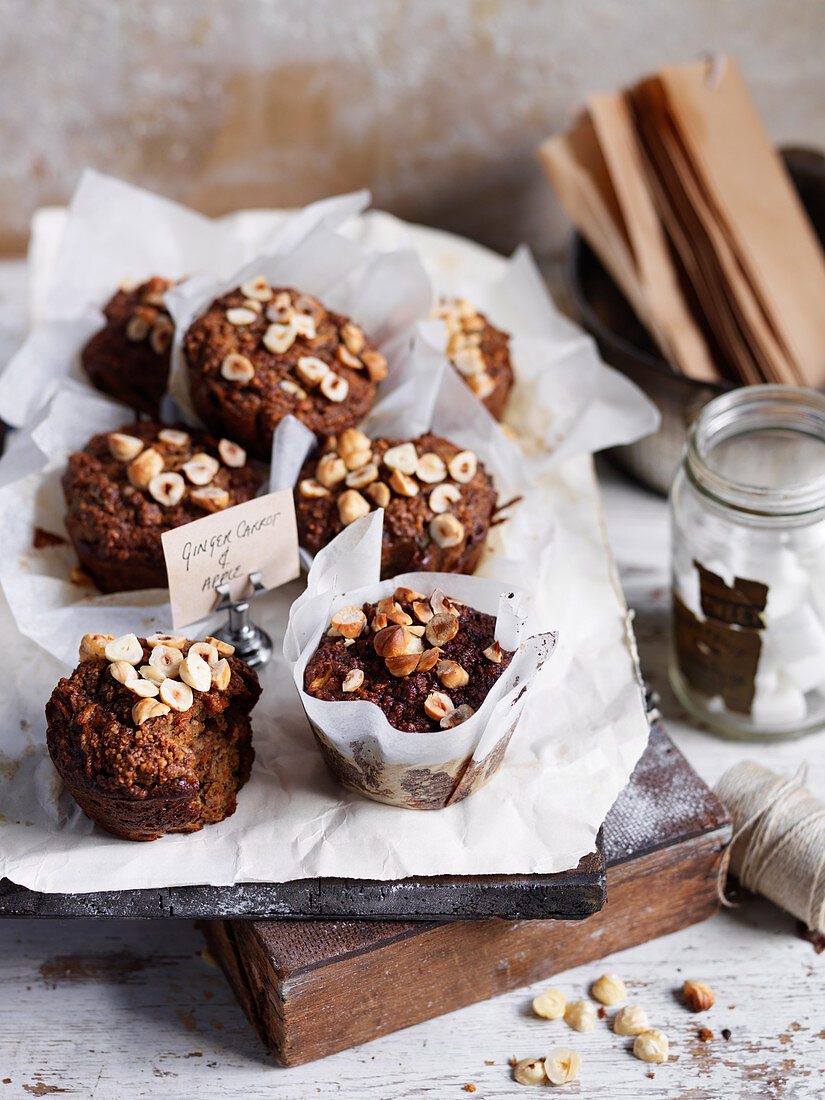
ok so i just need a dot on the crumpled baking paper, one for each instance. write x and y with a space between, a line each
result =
417 770
577 742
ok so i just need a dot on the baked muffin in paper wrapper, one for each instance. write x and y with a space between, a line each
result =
420 771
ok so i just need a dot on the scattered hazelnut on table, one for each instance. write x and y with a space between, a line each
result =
651 1046
550 1004
529 1071
562 1065
698 995
630 1020
580 1015
609 989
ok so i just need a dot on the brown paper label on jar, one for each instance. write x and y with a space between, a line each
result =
718 656
258 536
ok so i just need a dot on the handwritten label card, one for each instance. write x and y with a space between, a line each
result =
224 548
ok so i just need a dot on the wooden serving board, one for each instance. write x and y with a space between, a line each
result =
313 988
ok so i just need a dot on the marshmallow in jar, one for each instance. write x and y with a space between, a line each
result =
748 564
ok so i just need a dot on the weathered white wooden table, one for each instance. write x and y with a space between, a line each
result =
119 1009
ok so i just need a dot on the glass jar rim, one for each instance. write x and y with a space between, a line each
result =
747 410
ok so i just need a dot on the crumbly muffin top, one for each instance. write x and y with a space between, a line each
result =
478 351
431 490
428 663
269 351
127 715
132 484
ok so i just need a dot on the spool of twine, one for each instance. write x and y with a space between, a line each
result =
778 845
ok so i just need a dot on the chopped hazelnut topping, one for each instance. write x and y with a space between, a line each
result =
402 665
348 359
174 437
167 488
311 370
481 384
93 646
360 478
353 679
392 641
161 335
457 716
442 497
351 442
417 629
403 458
240 315
280 308
333 387
288 386
195 672
451 674
145 709
379 621
351 506
463 466
258 288
304 325
309 487
140 686
176 695
403 485
253 305
429 659
237 368
124 447
438 705
166 659
349 621
422 611
149 672
137 329
379 493
278 338
125 648
141 470
353 338
177 641
376 365
441 628
353 460
221 674
430 468
201 468
206 651
330 470
122 671
224 648
446 531
469 361
210 498
493 653
231 453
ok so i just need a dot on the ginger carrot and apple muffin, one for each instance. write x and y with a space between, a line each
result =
479 352
129 357
260 353
427 662
126 487
438 500
152 735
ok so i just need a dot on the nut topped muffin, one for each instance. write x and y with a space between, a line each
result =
125 488
129 357
152 735
427 662
260 353
438 500
479 352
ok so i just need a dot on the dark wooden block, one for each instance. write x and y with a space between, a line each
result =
664 840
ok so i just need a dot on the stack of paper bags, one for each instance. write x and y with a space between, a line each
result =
676 186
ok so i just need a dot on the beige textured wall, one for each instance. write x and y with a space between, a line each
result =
437 105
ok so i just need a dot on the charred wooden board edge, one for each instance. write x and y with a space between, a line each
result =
568 895
294 1011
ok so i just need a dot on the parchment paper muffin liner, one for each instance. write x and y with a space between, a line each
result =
420 771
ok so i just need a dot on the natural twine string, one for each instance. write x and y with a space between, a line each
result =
778 844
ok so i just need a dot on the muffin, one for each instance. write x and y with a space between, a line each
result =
129 357
479 352
153 735
125 488
438 500
427 663
260 352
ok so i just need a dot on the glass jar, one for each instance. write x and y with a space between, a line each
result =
747 511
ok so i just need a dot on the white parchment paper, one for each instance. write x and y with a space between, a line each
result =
575 746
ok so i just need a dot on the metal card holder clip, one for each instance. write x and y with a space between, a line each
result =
252 644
